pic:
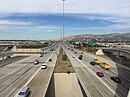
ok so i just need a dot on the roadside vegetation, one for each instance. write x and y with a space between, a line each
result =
32 45
92 50
63 64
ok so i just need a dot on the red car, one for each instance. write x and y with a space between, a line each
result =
100 74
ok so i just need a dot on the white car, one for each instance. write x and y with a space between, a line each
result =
36 62
44 66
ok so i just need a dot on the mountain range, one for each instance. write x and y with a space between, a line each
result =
103 37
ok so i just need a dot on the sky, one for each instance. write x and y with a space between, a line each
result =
43 19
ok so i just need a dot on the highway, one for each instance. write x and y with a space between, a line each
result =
40 82
22 73
99 87
16 75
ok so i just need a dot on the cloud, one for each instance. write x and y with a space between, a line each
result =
37 31
110 27
119 7
8 22
119 22
25 27
37 24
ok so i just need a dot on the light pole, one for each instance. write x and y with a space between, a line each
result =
63 30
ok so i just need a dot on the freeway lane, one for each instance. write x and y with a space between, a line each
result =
114 70
40 82
117 69
94 84
15 75
120 89
123 88
4 71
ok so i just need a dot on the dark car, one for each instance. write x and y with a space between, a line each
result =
72 49
50 60
92 63
75 52
51 49
80 57
81 52
116 79
8 57
100 74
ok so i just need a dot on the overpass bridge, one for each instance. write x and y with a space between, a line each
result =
118 52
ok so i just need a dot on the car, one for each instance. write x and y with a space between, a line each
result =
75 52
105 65
51 49
41 55
36 62
116 79
100 74
8 57
44 66
80 57
24 92
92 63
73 56
50 60
97 61
72 49
81 52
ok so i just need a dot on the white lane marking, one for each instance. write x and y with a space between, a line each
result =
95 75
32 77
13 71
86 90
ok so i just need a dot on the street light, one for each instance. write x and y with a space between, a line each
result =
63 30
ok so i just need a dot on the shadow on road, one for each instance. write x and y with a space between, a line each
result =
124 74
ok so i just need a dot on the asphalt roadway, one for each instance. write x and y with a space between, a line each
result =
93 85
18 74
15 76
40 82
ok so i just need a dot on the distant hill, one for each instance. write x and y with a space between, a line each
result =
102 37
